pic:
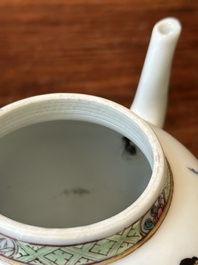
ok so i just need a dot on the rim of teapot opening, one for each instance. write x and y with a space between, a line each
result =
96 110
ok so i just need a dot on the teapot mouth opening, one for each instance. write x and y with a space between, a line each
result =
168 26
99 112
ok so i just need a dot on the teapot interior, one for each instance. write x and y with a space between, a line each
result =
67 173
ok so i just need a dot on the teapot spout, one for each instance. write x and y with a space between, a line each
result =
150 101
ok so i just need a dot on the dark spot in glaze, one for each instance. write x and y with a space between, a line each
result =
193 170
129 146
189 261
76 191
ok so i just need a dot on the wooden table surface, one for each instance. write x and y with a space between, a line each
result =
97 47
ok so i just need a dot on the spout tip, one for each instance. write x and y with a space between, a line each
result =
168 27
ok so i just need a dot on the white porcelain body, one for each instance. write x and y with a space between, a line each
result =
177 237
150 101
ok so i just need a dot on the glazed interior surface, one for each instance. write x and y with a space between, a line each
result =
68 173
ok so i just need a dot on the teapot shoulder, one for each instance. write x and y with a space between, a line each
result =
176 240
178 156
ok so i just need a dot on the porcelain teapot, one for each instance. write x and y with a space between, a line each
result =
87 181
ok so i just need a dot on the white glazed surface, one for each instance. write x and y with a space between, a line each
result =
151 97
177 237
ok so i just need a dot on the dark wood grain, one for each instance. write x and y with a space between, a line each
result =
98 48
